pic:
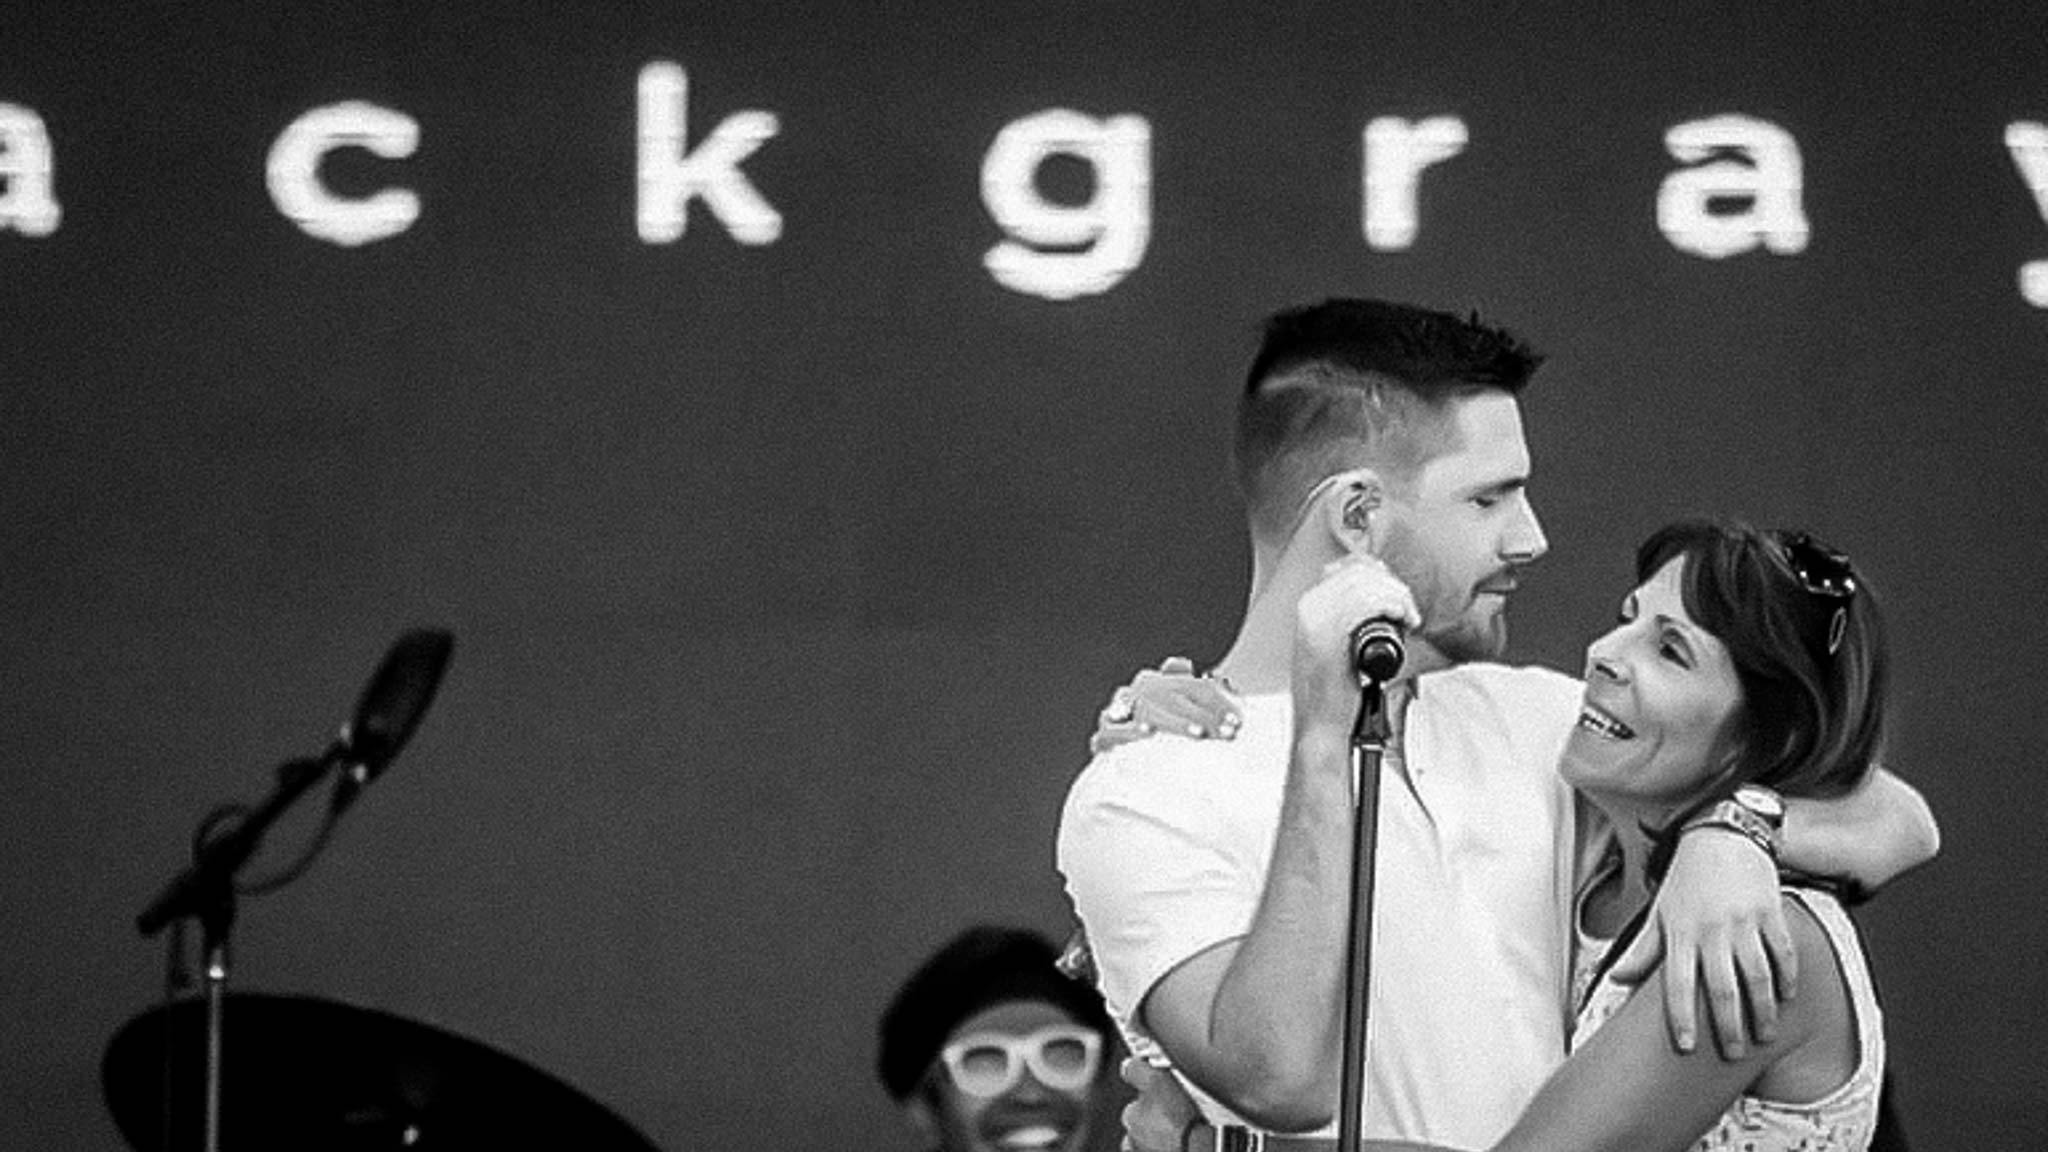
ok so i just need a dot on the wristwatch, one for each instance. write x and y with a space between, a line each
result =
1754 812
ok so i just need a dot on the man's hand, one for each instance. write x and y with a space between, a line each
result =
1353 590
1718 918
1155 1120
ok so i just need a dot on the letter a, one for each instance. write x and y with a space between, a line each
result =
28 168
1760 192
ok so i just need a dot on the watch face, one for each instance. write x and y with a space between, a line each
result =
1761 801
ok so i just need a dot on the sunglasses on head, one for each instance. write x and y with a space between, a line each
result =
1830 585
986 1064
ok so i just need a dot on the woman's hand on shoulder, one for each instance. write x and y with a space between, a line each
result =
1170 699
1718 925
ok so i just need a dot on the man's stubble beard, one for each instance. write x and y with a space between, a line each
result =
1469 640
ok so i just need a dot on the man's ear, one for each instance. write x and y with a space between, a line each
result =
1353 510
919 1110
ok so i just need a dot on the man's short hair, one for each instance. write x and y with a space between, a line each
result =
981 967
1349 382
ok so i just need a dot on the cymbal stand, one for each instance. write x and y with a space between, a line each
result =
205 891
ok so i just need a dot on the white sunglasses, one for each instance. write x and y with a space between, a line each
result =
987 1064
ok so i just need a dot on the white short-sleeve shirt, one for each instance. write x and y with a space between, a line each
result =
1165 843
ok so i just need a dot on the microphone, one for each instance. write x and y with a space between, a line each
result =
1376 650
390 708
392 705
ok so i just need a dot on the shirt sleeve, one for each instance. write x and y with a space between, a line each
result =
1156 873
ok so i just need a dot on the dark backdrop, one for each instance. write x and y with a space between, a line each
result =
787 578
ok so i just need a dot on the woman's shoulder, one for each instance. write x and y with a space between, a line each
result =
1819 1028
1821 929
1821 934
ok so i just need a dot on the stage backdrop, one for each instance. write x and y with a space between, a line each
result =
802 415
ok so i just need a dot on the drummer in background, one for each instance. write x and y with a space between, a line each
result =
990 1048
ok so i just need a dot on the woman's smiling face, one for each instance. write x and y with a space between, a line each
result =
1661 701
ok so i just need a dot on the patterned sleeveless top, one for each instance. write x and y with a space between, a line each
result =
1841 1121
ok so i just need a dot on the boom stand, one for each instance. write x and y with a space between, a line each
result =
205 891
1368 745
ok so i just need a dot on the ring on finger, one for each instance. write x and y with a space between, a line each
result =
1121 707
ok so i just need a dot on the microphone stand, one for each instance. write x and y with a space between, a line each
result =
1368 745
386 714
205 891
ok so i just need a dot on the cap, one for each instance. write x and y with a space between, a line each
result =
984 965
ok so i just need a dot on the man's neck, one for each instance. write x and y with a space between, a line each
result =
1261 659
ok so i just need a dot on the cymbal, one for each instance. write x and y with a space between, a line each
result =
301 1074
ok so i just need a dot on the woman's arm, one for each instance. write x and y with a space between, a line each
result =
1715 920
1869 837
